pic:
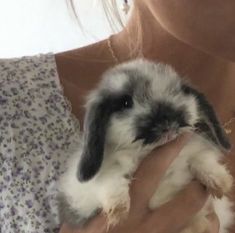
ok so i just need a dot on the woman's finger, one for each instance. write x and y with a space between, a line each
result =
152 169
179 210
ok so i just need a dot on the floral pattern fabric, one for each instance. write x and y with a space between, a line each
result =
37 133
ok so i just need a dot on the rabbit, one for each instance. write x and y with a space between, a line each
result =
140 105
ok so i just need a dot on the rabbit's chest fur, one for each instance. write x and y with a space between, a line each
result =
110 187
112 181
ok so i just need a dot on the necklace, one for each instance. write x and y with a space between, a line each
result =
227 124
109 42
126 7
116 60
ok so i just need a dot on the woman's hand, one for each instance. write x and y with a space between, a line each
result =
169 218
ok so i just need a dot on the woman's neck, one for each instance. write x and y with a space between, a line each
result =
157 44
212 75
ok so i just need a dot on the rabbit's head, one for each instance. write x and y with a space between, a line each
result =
141 103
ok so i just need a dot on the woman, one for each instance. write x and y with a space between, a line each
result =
196 38
38 129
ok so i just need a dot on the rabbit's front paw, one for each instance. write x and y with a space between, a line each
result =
219 184
218 180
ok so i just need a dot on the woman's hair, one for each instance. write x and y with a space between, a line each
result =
111 11
116 22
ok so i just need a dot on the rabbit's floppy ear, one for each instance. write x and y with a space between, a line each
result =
95 124
208 124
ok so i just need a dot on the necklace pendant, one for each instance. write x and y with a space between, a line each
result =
228 131
126 8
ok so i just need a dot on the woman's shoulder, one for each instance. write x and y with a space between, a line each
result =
29 71
30 91
28 66
31 78
38 59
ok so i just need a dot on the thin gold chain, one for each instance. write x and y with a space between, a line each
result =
226 124
112 51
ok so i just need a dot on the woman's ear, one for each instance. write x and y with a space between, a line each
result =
95 125
208 124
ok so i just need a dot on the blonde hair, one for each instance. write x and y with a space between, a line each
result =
115 20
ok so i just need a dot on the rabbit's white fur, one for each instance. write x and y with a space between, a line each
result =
108 190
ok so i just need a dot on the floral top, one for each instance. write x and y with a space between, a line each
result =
37 132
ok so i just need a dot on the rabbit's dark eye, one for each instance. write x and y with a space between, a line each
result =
122 103
126 101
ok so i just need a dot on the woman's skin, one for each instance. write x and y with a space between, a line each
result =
198 39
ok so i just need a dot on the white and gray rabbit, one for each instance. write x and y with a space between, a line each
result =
140 105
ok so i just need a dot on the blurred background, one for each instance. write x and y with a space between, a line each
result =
29 27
